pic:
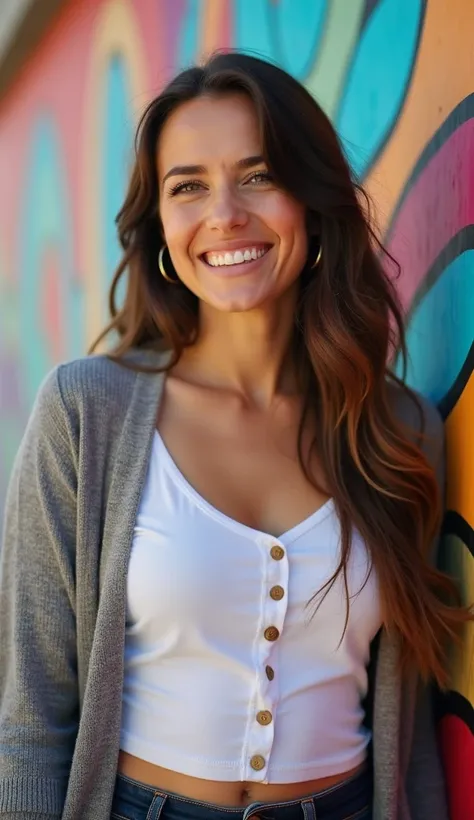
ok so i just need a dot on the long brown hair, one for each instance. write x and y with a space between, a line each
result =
348 321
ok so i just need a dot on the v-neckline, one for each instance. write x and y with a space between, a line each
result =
286 537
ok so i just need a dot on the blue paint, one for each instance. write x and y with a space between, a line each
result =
377 79
252 29
298 27
116 161
441 329
189 35
287 32
45 222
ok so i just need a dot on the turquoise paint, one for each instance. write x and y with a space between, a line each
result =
377 79
252 31
441 329
45 223
298 28
287 32
189 35
116 161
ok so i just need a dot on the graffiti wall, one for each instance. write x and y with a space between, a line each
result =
396 77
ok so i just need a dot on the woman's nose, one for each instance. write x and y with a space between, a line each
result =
226 211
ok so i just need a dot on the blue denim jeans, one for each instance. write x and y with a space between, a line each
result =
349 801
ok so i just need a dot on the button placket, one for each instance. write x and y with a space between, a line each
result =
277 590
274 606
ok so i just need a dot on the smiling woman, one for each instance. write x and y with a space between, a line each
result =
225 525
237 238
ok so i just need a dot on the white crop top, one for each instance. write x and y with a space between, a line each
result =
229 675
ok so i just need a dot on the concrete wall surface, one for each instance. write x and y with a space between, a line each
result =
397 79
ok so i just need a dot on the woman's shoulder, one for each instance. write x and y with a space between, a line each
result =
72 384
91 392
91 375
93 379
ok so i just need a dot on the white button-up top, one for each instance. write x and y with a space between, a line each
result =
229 674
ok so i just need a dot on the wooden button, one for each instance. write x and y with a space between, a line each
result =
264 718
277 593
270 672
271 633
257 763
277 552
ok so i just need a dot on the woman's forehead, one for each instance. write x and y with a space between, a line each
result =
208 131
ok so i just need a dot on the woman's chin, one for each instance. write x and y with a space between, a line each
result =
234 302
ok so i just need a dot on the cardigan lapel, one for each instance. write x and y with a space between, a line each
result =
386 728
133 454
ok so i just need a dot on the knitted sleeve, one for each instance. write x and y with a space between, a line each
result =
38 662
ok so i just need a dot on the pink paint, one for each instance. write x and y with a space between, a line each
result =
170 20
227 33
52 309
53 81
439 204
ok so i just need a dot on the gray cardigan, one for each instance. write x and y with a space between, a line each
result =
70 513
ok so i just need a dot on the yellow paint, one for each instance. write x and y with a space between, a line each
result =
460 563
460 498
460 455
212 19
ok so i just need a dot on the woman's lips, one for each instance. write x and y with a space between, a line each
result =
235 260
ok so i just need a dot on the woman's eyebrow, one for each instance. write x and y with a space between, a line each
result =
188 170
249 162
184 170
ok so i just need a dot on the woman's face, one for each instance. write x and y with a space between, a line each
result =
236 240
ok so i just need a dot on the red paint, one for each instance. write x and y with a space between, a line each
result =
457 743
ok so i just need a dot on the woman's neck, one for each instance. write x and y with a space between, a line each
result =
248 353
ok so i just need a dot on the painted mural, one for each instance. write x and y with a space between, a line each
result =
395 76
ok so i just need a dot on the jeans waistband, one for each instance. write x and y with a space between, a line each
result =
350 800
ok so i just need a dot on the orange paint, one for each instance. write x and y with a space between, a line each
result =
460 455
442 77
213 24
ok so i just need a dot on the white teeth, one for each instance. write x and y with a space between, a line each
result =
236 258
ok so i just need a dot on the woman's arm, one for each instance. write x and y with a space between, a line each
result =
38 675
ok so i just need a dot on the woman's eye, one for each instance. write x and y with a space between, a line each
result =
260 177
185 188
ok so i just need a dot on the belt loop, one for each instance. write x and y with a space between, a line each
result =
249 811
309 810
156 807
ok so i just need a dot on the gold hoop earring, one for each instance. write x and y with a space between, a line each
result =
162 267
318 258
